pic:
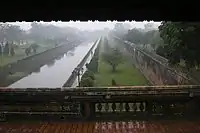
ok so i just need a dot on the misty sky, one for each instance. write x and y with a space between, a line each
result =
85 25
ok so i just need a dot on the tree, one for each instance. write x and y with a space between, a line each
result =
119 26
48 32
161 51
181 41
134 36
120 30
113 57
139 37
11 32
12 51
6 49
127 26
34 47
28 51
149 26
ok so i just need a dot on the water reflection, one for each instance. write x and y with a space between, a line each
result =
37 70
72 50
51 63
75 84
58 73
59 57
70 53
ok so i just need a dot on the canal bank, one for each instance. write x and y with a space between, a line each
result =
55 73
73 79
15 71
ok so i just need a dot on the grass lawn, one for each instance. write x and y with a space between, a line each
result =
126 75
13 78
20 54
17 74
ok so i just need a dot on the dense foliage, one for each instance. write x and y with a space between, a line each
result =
11 35
34 47
87 74
181 42
139 37
87 82
120 29
176 41
39 33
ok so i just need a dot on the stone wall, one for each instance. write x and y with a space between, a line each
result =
157 72
73 76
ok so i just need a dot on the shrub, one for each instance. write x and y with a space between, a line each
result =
87 82
114 82
88 73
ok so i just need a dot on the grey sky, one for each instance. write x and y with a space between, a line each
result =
85 25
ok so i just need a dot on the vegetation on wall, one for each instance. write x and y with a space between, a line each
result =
88 77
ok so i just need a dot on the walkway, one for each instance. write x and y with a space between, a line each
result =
104 127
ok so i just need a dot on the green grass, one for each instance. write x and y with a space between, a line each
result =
20 54
126 75
17 74
14 77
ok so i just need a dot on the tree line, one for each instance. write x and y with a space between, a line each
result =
139 37
12 36
181 42
176 41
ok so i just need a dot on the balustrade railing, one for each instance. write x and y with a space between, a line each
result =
108 103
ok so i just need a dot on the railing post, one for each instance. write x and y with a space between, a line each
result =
192 108
149 108
92 110
88 110
167 110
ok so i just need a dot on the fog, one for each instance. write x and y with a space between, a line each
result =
23 41
88 25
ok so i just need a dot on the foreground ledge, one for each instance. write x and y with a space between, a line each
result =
100 103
